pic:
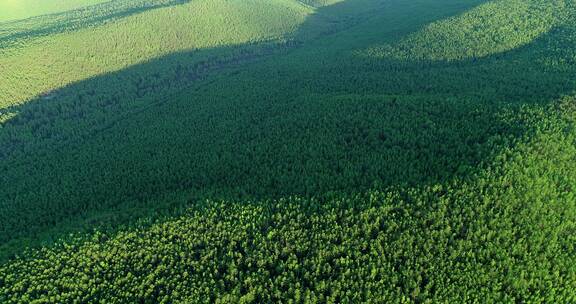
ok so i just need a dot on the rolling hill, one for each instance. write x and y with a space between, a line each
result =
251 151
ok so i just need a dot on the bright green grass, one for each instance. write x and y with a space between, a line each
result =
307 171
22 9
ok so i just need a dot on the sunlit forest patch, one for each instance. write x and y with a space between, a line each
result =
491 28
43 65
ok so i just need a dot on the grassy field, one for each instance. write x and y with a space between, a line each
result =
11 10
51 52
290 151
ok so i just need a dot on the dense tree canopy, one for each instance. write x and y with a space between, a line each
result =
290 151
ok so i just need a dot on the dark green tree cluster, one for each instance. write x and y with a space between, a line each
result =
507 236
352 123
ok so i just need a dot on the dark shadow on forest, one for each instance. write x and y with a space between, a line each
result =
14 32
111 144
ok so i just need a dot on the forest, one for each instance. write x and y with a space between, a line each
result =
288 151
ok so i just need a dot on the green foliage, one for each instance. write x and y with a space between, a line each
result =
476 240
268 151
21 9
53 51
491 28
319 3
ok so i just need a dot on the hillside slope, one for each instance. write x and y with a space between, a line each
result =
11 10
343 151
50 52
